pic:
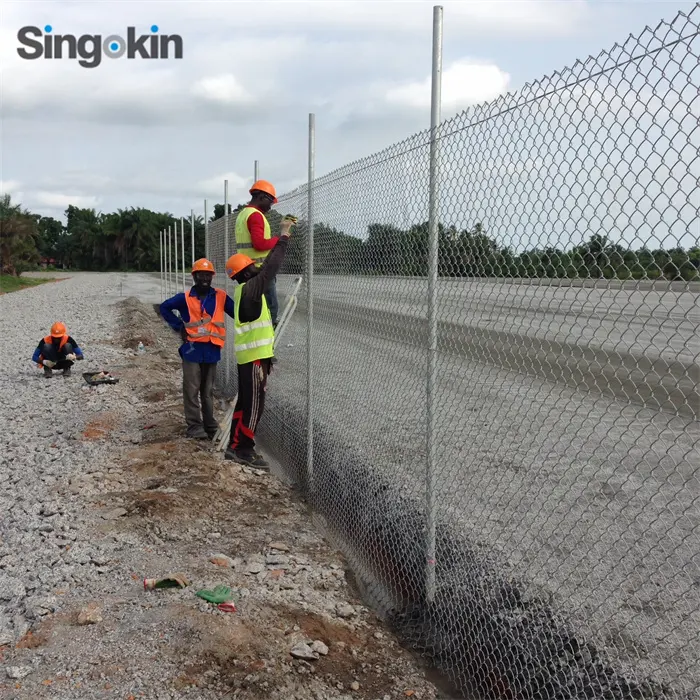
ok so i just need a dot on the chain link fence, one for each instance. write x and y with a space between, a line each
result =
565 501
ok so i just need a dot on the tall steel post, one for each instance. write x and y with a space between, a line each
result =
433 247
309 305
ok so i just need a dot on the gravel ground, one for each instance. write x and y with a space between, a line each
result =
100 489
594 501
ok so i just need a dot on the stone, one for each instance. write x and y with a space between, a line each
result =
114 514
319 647
304 652
18 672
255 567
276 559
222 560
279 546
354 686
345 611
11 587
90 615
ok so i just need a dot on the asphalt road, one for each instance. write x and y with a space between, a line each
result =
567 437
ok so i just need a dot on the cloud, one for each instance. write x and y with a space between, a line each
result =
464 83
222 88
9 186
56 200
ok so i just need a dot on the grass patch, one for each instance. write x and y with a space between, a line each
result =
10 283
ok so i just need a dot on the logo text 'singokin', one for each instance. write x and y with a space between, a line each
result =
89 49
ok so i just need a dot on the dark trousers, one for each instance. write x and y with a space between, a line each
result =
271 298
252 384
51 352
198 384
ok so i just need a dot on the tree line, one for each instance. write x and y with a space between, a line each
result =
129 239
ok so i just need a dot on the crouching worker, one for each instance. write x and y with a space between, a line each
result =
203 331
57 351
253 345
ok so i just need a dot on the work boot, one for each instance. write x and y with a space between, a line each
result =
248 458
198 434
48 372
67 372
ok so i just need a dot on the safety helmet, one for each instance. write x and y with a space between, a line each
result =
236 263
58 329
203 265
264 186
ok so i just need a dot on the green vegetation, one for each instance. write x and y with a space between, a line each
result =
10 283
129 240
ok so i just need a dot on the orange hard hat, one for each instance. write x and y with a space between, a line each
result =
203 265
236 263
265 186
58 329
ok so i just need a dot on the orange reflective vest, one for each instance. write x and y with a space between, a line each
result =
49 340
203 328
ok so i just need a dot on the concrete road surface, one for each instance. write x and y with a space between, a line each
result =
567 436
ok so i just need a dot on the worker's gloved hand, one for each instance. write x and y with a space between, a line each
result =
49 363
70 356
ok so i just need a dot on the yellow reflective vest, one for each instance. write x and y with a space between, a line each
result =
243 242
253 340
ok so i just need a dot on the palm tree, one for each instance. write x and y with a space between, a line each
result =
18 237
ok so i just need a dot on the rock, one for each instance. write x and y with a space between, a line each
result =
319 647
114 514
38 606
304 652
21 626
222 560
18 672
276 559
11 587
90 615
354 685
7 634
255 567
345 611
279 546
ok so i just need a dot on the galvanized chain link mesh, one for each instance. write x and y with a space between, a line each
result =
567 478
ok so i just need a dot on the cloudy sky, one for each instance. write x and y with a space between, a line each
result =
164 134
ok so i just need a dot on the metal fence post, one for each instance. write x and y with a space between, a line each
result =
160 251
192 230
175 246
170 261
309 306
207 252
182 245
432 302
256 172
227 253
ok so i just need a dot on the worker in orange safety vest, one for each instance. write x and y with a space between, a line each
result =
57 351
201 326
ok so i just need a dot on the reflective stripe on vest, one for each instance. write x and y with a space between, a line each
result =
203 328
253 340
243 241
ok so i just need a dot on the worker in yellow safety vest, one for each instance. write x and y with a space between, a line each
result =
254 338
254 237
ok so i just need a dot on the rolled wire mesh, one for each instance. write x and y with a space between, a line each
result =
568 495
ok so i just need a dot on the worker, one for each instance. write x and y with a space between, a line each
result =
57 351
202 328
254 237
253 345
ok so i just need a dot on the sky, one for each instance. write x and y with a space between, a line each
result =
164 134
